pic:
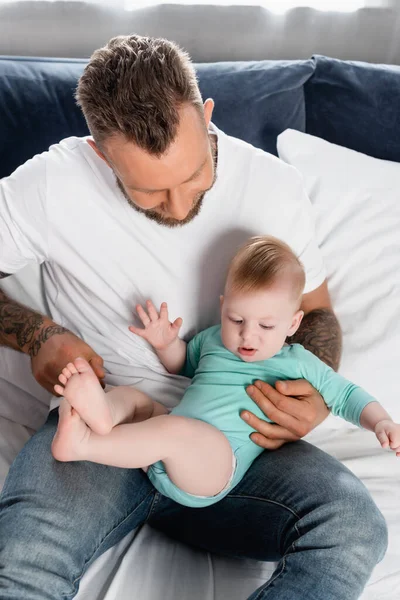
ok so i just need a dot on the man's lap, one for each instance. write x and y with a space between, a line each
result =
57 518
280 485
277 492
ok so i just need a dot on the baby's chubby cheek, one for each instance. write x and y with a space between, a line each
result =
229 340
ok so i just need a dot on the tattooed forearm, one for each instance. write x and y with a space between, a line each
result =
18 324
23 329
320 333
43 336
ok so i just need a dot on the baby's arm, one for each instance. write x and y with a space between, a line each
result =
173 356
351 402
162 335
375 418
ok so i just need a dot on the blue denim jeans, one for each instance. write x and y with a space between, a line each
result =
296 505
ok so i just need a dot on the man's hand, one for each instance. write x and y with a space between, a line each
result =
51 354
295 408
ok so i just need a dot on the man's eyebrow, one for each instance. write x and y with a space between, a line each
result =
136 189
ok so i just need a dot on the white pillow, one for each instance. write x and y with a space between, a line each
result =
356 199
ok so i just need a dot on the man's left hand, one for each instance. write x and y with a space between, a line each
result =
295 408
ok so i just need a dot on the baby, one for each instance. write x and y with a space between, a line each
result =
199 451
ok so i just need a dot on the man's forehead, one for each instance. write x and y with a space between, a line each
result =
186 153
146 172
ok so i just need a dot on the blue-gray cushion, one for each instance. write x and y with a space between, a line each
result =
37 107
356 105
255 101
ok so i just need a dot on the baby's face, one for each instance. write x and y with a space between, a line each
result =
254 325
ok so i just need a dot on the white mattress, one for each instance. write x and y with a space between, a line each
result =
150 566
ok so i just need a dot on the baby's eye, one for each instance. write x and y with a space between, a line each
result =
268 327
237 321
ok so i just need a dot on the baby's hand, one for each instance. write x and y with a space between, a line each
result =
158 330
388 434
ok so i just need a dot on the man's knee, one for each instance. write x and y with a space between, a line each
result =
361 527
371 525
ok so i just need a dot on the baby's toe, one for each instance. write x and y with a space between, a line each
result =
72 368
59 389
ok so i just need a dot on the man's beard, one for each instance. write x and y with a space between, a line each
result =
157 215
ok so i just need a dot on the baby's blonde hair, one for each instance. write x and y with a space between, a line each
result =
263 261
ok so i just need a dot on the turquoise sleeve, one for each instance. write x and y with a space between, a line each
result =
344 398
193 352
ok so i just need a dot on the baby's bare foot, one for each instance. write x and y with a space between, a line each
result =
72 435
84 392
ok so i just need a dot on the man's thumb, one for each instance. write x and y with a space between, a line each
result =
97 365
298 387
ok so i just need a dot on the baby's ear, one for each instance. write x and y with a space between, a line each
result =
297 318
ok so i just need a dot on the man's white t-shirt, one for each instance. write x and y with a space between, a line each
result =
100 257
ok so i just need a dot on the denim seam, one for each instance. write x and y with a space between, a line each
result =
102 541
156 501
266 500
273 579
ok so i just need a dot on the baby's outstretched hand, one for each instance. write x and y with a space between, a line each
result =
388 434
158 330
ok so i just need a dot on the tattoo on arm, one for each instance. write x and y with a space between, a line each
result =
4 275
19 327
44 335
320 333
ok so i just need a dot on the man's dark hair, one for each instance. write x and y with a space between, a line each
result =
135 86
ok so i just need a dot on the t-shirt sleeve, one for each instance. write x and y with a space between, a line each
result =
193 353
344 398
300 230
23 223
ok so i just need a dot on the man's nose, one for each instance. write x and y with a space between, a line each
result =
179 204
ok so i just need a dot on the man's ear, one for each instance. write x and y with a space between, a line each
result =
208 107
297 318
93 145
221 301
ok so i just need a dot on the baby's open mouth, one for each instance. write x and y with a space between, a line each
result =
246 351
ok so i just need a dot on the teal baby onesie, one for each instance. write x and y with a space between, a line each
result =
217 395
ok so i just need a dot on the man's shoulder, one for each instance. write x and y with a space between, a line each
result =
62 154
73 156
245 155
70 148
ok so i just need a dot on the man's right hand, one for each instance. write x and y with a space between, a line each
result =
53 348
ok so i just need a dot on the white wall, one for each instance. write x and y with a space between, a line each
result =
209 33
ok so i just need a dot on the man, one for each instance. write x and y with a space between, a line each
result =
154 206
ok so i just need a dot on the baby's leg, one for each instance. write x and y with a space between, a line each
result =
101 411
197 456
130 405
